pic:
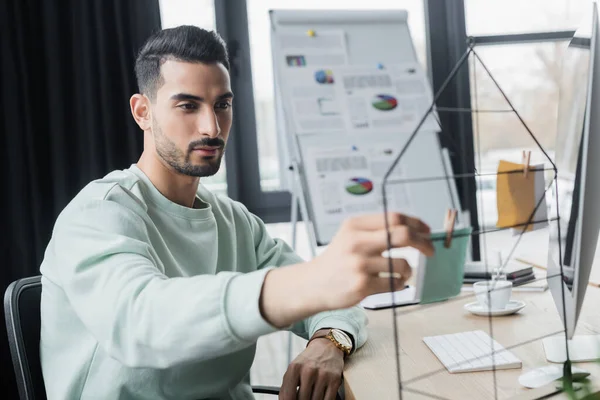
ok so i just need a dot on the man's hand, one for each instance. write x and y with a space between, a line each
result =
352 266
317 371
350 269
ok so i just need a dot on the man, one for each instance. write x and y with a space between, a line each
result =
154 288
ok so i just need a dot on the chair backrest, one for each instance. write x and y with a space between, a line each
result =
22 312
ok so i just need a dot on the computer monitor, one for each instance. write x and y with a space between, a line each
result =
577 189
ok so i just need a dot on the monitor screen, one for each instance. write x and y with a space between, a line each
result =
574 84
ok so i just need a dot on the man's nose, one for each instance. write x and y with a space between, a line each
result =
209 125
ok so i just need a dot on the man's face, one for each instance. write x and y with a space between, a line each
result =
191 116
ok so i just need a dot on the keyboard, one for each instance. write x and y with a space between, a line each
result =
470 352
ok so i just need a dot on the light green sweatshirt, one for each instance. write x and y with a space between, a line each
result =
145 299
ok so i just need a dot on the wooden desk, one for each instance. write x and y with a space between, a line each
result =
370 374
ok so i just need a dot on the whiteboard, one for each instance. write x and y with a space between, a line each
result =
371 40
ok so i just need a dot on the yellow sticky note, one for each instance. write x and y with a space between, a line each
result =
515 195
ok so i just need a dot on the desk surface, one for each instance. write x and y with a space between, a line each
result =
371 372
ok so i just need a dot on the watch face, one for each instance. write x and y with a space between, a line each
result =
341 338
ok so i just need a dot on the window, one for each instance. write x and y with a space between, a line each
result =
187 12
262 71
493 17
529 74
529 71
198 13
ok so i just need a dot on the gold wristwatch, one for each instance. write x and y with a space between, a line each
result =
339 338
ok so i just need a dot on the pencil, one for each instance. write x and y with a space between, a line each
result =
530 263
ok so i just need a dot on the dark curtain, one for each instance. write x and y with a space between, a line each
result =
66 75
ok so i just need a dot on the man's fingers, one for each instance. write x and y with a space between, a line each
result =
319 389
289 383
375 242
307 381
379 267
380 281
396 219
374 222
403 236
331 392
382 285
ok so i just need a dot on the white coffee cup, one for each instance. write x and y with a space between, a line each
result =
494 294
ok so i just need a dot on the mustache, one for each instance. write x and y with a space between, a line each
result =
210 142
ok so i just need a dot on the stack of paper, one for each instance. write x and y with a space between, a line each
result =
514 271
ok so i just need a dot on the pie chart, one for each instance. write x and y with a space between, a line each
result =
384 102
359 186
324 76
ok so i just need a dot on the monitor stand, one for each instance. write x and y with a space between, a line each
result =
581 348
543 376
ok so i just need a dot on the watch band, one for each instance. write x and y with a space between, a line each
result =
351 340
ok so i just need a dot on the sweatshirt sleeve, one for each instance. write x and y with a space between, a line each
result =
102 258
276 253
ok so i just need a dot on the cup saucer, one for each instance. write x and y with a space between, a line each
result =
511 307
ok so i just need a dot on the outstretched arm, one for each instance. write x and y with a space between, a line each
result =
102 258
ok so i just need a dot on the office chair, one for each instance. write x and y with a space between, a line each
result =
22 312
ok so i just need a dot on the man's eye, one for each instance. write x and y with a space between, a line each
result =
188 106
222 105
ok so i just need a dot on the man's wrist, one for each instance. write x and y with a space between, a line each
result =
323 334
325 330
326 345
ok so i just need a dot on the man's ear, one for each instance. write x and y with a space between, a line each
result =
140 109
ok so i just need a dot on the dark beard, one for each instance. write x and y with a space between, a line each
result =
180 163
185 168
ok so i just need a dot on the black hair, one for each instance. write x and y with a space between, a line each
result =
183 43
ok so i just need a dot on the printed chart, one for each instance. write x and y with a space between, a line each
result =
384 102
359 186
